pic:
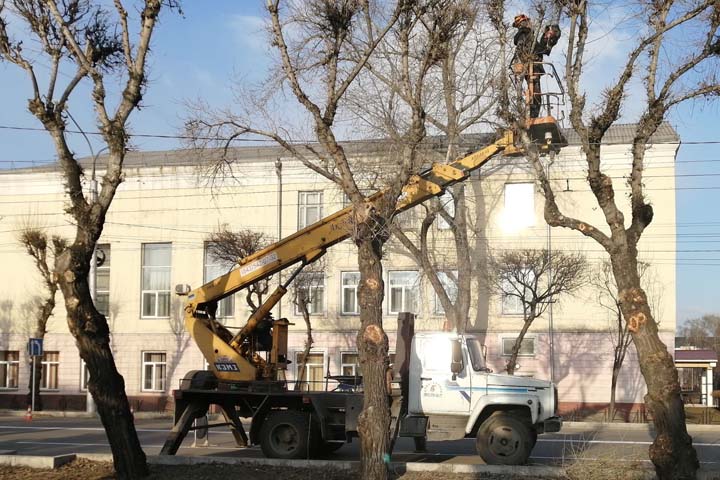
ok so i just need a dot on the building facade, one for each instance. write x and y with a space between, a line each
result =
156 237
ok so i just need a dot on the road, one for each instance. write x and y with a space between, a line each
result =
56 436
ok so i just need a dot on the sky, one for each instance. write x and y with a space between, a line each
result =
203 52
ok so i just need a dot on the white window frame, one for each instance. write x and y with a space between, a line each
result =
155 366
511 339
312 291
405 288
447 203
105 267
9 364
344 287
447 283
519 212
84 375
156 292
226 306
518 309
303 207
354 366
45 371
306 380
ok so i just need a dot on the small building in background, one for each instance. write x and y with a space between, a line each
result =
695 371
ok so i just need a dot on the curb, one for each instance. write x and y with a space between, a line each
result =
36 462
61 414
636 426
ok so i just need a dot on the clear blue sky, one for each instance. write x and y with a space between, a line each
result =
198 54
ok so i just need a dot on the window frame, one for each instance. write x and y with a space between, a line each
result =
447 203
306 381
11 366
505 298
437 307
143 378
84 375
45 372
355 287
227 303
105 267
529 218
415 286
311 288
156 293
302 217
531 338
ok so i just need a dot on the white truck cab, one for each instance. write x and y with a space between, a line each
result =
451 386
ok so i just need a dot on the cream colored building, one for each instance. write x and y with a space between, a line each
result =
155 237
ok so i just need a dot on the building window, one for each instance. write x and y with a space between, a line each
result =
309 208
84 375
102 279
311 286
215 267
512 302
527 347
313 378
50 369
350 282
519 206
403 291
9 369
449 283
153 373
156 280
350 363
447 203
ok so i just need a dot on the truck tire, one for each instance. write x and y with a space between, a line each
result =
504 439
286 434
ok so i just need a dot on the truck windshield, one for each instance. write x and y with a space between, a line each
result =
476 355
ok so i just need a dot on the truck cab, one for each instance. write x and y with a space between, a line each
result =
451 387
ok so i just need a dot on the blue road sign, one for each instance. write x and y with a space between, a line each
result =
35 347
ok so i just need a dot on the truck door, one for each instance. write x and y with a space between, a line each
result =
434 388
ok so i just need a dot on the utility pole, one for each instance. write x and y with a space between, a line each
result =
278 172
551 333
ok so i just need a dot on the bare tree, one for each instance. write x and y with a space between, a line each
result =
669 77
607 296
230 247
94 40
460 96
534 279
43 251
305 296
330 46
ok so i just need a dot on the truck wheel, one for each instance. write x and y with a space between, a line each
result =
504 439
284 434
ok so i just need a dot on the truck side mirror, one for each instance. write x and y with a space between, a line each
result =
456 365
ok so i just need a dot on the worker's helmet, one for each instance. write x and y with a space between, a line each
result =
520 20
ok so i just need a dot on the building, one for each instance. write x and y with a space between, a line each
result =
155 238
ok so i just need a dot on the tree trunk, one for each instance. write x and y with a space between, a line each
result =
92 337
510 368
372 343
613 388
672 452
308 343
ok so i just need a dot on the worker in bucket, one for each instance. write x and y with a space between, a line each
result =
528 57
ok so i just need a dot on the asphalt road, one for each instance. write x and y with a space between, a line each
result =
56 436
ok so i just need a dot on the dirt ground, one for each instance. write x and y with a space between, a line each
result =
82 469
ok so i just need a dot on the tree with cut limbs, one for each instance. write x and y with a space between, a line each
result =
94 41
607 296
330 46
534 279
43 251
670 76
461 89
